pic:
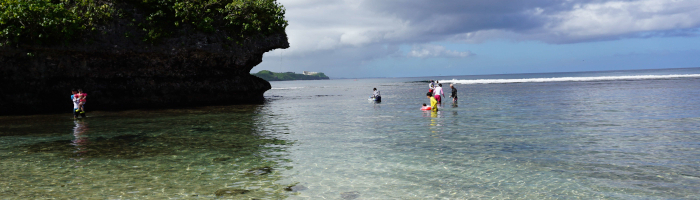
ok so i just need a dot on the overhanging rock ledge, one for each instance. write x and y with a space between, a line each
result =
121 73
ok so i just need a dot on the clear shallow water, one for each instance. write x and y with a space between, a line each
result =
609 139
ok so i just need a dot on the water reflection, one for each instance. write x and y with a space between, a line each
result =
81 140
433 114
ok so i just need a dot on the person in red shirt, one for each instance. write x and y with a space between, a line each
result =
82 100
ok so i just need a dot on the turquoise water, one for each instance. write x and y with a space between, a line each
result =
624 137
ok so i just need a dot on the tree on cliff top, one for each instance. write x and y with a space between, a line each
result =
56 21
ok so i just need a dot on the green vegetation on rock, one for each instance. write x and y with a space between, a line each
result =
287 76
55 21
42 21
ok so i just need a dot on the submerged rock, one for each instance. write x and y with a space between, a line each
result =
220 159
260 171
123 146
295 188
230 192
350 195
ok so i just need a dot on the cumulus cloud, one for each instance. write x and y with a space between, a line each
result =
543 20
363 22
429 50
616 19
324 28
328 25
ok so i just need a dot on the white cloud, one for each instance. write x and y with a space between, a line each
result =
348 29
327 43
356 38
322 25
430 50
332 24
621 18
483 35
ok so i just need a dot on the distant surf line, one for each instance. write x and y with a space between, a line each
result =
288 88
570 79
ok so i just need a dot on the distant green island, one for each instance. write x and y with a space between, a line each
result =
289 76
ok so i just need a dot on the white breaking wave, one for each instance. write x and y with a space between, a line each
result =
565 79
287 88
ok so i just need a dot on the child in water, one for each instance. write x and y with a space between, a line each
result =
433 102
81 96
425 107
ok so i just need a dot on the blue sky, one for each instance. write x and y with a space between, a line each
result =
410 38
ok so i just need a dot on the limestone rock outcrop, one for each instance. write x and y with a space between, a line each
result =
119 72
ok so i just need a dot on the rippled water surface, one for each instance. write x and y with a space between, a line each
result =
591 139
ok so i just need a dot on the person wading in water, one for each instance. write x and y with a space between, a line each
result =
377 97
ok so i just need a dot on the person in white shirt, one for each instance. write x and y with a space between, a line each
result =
438 93
376 95
76 104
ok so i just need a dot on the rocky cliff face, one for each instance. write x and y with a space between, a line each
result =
120 72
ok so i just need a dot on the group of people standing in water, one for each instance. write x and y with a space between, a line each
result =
435 94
